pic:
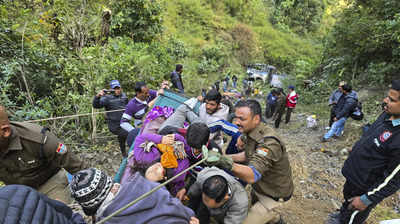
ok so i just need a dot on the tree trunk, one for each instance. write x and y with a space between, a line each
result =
94 125
22 66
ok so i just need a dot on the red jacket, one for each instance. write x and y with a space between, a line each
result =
291 99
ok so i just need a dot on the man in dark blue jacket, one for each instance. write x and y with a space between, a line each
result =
176 78
345 106
271 103
372 170
23 204
114 99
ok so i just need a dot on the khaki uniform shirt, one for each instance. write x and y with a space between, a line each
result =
270 159
21 163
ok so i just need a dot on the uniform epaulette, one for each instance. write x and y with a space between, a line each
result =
28 131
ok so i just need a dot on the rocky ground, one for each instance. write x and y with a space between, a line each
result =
316 171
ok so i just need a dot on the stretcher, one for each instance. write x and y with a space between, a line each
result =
170 99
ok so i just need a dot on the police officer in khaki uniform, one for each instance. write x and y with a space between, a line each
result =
31 155
266 166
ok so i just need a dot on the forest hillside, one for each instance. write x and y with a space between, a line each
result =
55 55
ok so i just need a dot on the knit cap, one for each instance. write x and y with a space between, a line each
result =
90 188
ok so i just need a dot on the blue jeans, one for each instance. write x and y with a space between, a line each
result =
178 118
336 129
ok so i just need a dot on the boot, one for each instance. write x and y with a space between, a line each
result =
124 154
279 222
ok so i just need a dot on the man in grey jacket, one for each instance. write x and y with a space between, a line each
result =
219 195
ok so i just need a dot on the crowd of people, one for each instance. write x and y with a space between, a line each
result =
277 102
164 141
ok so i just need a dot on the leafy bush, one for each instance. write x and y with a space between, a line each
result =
364 43
176 49
27 75
302 16
244 43
213 59
139 19
234 6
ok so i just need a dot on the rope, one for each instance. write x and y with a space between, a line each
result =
205 156
76 115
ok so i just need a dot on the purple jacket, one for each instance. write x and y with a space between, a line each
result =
136 110
159 207
142 157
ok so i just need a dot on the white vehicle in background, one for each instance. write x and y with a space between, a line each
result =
266 73
260 72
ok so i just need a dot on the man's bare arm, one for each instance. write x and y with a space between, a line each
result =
243 172
238 157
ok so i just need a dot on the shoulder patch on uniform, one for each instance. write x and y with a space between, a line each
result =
61 149
262 151
385 136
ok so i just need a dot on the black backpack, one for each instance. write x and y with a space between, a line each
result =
357 113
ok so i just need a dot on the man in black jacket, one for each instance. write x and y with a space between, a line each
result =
372 170
345 106
176 78
114 99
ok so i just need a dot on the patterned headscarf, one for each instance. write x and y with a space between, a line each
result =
158 111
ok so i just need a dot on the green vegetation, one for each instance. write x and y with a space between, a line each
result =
364 44
56 54
300 16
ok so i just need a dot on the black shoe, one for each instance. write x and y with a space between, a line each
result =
281 221
124 154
